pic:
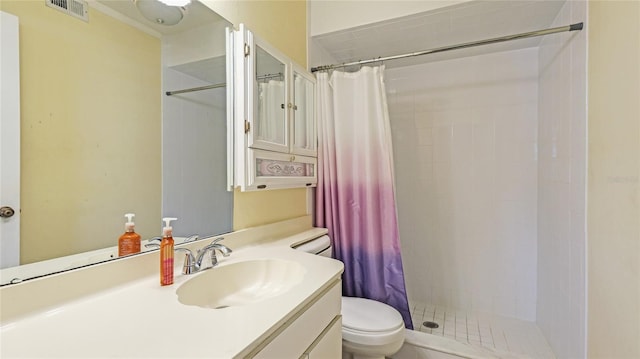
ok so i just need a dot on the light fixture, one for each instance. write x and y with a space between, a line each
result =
175 2
159 12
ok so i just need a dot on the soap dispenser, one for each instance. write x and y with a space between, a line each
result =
166 253
129 242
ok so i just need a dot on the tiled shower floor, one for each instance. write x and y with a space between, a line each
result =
484 330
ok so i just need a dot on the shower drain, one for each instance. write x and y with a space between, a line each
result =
431 325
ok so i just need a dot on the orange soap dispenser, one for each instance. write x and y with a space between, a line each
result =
166 253
129 242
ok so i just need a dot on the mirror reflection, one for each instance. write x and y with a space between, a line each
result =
99 137
271 119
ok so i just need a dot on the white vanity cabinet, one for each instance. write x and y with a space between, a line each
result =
316 331
274 118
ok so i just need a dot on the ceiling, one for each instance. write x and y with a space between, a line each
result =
466 22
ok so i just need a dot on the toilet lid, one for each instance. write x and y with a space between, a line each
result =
369 315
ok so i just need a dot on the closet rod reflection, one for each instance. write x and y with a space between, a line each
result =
208 87
572 27
169 93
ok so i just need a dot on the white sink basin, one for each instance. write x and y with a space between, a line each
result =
241 283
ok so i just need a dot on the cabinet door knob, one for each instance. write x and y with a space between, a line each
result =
6 212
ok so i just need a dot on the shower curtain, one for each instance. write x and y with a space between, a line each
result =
355 196
303 92
270 98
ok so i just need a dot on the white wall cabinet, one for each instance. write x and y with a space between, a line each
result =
274 118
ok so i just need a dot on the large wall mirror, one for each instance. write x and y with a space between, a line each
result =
99 135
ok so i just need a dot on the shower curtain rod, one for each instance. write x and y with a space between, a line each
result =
223 84
270 76
572 27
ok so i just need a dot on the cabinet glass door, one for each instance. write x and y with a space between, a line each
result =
270 107
303 114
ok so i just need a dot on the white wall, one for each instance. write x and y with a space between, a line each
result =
561 191
203 42
329 16
464 135
318 55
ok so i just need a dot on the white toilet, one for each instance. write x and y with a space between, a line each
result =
370 329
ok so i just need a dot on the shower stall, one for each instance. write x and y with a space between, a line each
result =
490 170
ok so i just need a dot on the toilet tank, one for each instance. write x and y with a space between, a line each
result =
320 246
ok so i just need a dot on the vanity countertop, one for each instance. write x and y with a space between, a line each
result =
143 319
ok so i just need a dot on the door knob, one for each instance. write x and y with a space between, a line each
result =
6 212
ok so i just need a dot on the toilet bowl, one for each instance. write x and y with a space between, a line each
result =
370 329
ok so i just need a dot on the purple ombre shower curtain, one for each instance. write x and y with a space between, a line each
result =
355 198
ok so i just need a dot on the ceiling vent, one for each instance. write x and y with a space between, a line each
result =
75 8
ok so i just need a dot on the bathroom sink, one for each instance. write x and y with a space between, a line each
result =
241 283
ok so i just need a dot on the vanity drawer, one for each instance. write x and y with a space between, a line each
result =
328 344
295 339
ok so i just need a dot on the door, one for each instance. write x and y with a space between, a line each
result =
9 142
303 114
267 96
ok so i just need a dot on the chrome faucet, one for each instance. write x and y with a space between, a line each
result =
213 246
189 265
194 264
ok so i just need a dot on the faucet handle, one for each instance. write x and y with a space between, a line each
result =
189 265
151 242
191 238
226 251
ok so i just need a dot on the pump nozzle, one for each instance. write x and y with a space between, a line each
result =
129 217
167 221
129 225
167 226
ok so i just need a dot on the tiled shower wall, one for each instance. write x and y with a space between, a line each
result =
561 185
465 133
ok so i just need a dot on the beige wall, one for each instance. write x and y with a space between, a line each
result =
256 208
73 105
613 180
284 25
